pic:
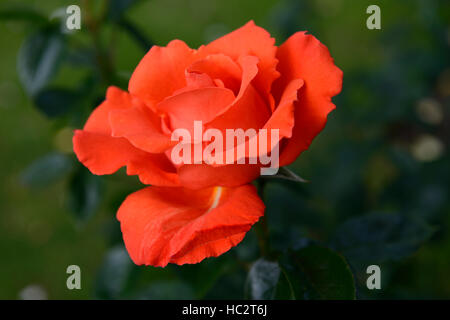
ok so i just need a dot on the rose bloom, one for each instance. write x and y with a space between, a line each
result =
241 80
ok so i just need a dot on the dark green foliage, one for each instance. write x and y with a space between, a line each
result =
47 169
378 237
39 58
56 102
85 192
316 273
262 279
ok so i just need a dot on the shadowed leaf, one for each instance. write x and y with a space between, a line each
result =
378 237
39 58
46 170
114 274
316 273
56 101
85 192
262 279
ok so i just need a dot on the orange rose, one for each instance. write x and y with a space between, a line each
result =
242 80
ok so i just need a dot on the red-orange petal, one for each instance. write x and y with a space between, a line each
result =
249 40
282 119
202 104
248 110
302 56
197 176
116 99
142 127
219 66
161 72
103 154
177 225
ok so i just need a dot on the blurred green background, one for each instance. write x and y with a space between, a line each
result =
379 172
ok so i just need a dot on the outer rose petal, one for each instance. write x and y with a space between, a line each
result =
103 154
302 56
176 225
161 72
116 99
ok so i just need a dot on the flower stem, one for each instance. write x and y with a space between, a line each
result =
262 228
102 55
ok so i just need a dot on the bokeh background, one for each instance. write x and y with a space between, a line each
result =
379 173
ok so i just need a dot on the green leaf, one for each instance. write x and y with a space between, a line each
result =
85 192
56 102
262 279
203 276
379 237
46 170
316 273
114 274
39 58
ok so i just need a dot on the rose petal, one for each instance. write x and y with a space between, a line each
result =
142 127
248 109
161 72
250 40
282 119
154 169
283 116
197 176
220 66
176 225
303 56
102 154
116 99
196 105
205 175
218 106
